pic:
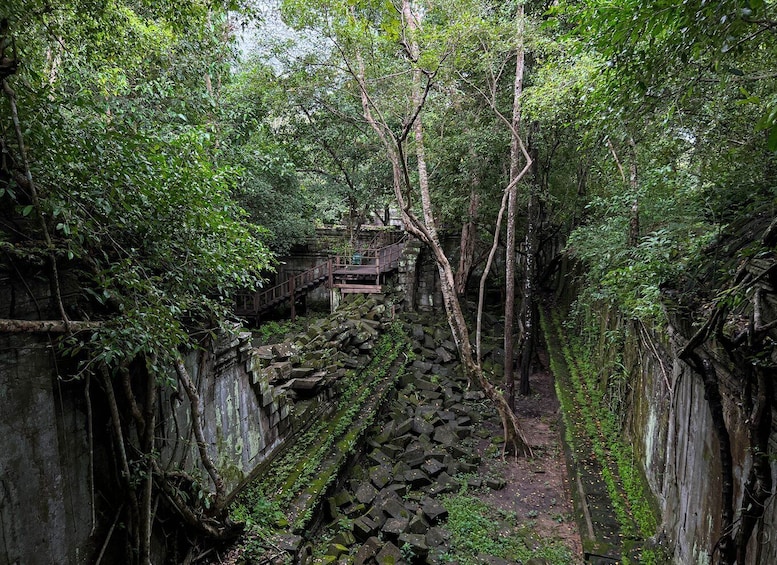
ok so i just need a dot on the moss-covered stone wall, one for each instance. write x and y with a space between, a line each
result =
665 416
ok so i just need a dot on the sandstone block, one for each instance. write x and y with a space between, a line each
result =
421 426
433 510
394 527
432 467
436 537
367 551
364 528
416 478
418 525
416 542
389 555
366 493
445 435
396 509
380 475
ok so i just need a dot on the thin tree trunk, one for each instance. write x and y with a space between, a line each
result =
512 204
30 185
527 309
199 435
467 245
486 271
513 432
425 230
46 326
126 474
147 439
633 184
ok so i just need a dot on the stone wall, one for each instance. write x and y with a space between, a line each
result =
53 505
58 493
44 478
667 419
45 490
244 416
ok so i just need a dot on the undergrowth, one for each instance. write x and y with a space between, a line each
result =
477 528
583 394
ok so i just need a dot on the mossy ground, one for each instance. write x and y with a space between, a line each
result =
621 516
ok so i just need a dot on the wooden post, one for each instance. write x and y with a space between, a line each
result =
330 271
378 253
291 292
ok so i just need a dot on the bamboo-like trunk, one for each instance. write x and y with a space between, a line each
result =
527 307
634 185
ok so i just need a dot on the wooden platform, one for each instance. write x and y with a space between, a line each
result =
360 288
360 273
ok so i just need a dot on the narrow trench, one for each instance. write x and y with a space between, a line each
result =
607 536
427 482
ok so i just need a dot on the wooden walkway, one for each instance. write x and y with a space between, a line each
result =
362 272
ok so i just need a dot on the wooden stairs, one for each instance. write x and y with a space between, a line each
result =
360 273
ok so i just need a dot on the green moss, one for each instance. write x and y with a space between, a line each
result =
589 419
299 469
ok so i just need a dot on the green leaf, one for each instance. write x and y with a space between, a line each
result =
772 141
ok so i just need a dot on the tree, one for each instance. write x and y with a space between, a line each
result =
512 204
107 136
250 139
398 121
694 79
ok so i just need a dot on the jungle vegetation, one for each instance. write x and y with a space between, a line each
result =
157 157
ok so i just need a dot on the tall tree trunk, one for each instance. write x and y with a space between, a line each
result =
530 245
514 436
468 239
425 229
512 204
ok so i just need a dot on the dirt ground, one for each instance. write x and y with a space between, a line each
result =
538 487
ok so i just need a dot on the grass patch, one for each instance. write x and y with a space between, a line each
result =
478 528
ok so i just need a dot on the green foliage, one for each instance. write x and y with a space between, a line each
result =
691 85
273 332
268 186
117 125
477 528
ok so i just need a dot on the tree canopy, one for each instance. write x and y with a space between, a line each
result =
147 159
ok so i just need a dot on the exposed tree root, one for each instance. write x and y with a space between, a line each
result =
746 352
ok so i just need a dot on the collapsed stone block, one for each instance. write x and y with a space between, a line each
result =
394 527
395 509
389 555
433 510
380 475
416 543
416 478
364 528
366 493
367 551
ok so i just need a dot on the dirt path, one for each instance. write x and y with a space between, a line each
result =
537 488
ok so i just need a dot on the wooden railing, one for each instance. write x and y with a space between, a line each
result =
255 302
381 260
